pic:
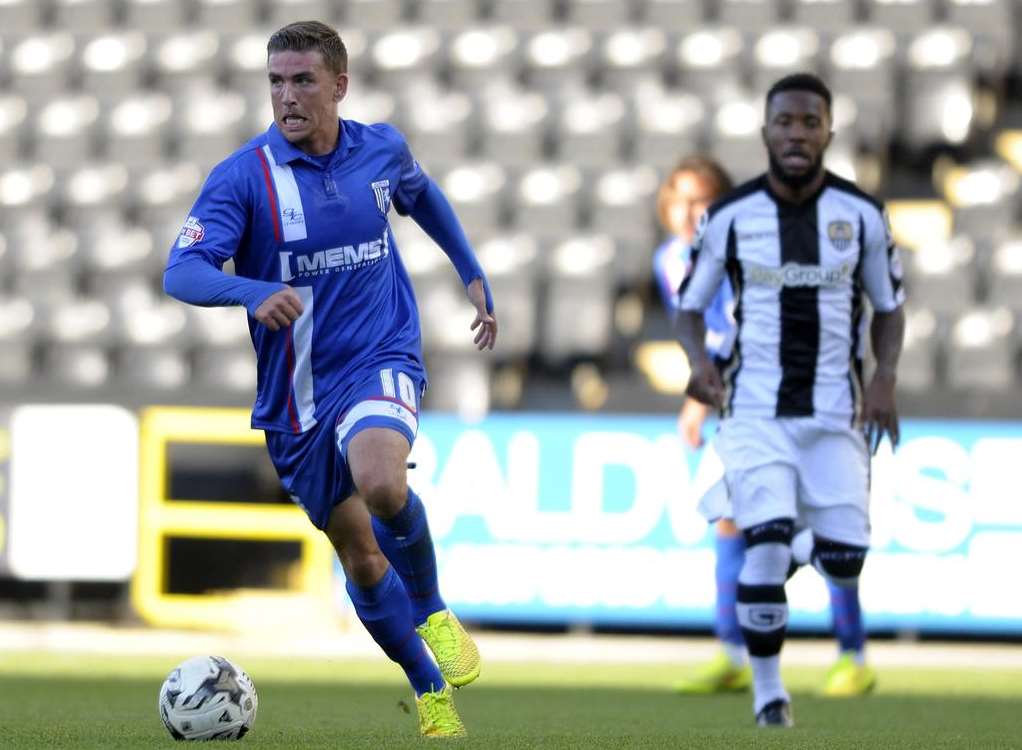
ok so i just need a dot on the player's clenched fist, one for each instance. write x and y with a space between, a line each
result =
280 309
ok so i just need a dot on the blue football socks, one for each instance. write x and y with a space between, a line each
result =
846 612
386 612
407 544
730 557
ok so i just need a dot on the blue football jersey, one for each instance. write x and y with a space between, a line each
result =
321 227
672 262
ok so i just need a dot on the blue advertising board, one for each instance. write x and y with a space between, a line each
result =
592 519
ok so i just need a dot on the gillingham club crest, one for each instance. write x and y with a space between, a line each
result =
381 189
840 235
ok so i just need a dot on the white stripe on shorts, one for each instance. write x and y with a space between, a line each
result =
376 408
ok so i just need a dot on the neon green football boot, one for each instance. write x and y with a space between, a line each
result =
437 715
847 678
718 676
453 648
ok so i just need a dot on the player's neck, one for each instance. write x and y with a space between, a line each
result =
322 142
795 194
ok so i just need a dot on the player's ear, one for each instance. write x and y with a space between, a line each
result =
341 89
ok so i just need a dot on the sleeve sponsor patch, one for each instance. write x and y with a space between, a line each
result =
191 232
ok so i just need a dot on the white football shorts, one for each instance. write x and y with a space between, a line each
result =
802 468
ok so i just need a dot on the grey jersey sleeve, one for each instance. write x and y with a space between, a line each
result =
881 264
709 252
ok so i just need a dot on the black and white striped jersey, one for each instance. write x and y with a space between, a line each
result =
798 273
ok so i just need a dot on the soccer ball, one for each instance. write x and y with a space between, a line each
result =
208 698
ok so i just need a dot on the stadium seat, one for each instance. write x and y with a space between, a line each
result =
480 56
405 57
112 65
709 63
917 370
476 190
210 126
227 370
559 60
672 15
940 276
1005 274
579 299
459 384
939 89
862 66
438 125
373 15
80 321
19 320
188 60
155 16
65 130
119 249
783 50
225 15
84 15
153 367
669 123
40 65
137 129
983 350
92 197
623 207
514 125
524 15
218 327
21 16
548 201
163 195
630 56
902 17
446 316
13 113
983 196
512 266
735 138
162 323
363 104
591 130
25 196
76 367
991 26
282 12
598 15
749 16
16 364
825 16
448 15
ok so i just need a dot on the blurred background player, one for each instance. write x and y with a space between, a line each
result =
799 246
694 184
302 209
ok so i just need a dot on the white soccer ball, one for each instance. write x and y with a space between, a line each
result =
208 698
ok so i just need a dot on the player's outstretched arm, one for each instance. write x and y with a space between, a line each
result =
195 280
879 411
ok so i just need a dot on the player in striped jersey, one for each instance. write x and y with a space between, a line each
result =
302 210
692 186
799 246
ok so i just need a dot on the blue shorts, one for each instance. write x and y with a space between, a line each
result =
313 466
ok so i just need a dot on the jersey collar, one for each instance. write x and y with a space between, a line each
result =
285 153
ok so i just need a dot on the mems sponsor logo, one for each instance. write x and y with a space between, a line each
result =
334 259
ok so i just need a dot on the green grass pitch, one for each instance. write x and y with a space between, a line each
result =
54 701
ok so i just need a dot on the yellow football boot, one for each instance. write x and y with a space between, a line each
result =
718 676
847 678
453 648
437 715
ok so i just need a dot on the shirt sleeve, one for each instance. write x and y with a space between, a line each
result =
709 252
412 180
881 263
210 236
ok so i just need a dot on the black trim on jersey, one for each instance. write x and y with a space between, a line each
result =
832 180
854 360
729 372
800 312
736 194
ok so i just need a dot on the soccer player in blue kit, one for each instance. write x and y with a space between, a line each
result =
302 209
693 185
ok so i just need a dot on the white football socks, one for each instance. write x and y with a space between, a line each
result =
766 681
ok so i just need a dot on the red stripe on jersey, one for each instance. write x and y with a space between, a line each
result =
289 348
272 193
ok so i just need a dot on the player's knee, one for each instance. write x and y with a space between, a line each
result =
384 492
364 564
767 553
841 563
